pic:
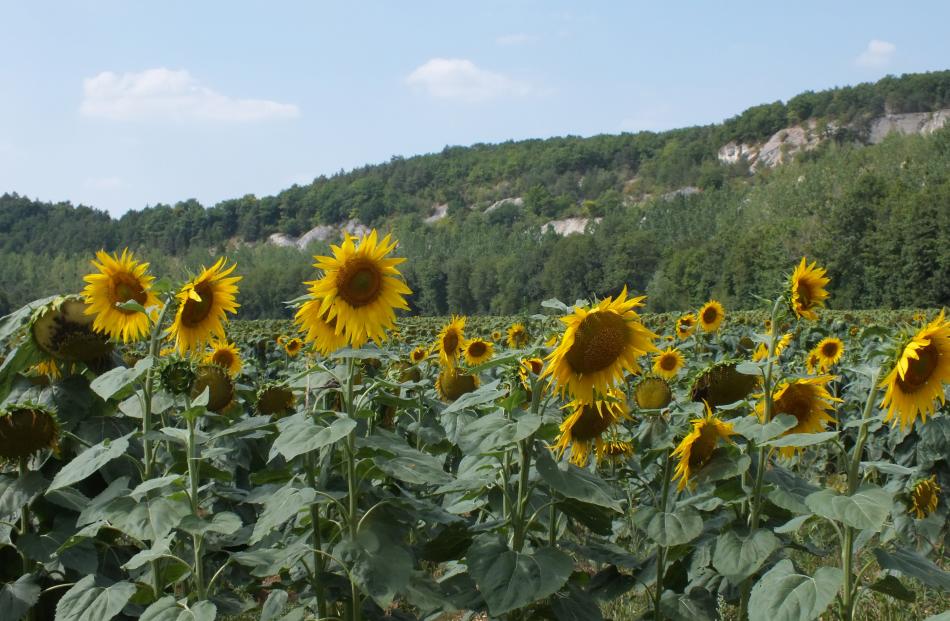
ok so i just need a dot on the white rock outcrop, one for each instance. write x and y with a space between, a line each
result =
322 232
568 226
910 123
438 212
517 201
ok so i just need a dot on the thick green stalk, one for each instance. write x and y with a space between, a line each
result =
25 515
147 394
524 452
352 482
316 542
660 550
193 480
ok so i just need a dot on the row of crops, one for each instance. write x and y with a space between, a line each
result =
160 461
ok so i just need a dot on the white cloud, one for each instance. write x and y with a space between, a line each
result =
457 78
517 38
103 183
877 54
165 94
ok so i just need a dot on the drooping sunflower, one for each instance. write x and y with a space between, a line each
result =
685 325
652 393
924 497
808 400
529 367
828 351
219 384
616 451
919 375
808 289
711 315
360 288
722 384
275 400
599 346
695 450
226 355
453 383
478 351
120 279
667 364
450 341
517 336
418 355
293 347
762 351
203 304
585 426
25 429
317 328
63 330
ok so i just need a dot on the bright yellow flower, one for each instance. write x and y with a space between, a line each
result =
450 341
711 315
808 400
225 354
517 336
119 279
685 325
917 380
203 304
924 497
762 351
585 426
828 351
668 363
808 289
293 347
695 450
317 328
478 351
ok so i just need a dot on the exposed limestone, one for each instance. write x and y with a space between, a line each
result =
438 212
322 232
516 201
568 226
686 191
922 123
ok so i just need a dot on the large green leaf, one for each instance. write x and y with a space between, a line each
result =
698 605
15 491
669 528
494 433
484 394
914 565
89 461
510 580
892 587
168 609
282 506
404 463
87 602
149 519
789 491
802 439
273 605
782 594
577 483
299 435
16 598
752 428
866 509
225 523
737 558
379 566
119 381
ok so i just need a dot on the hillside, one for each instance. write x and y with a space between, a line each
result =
845 175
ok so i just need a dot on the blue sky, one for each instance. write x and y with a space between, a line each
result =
119 105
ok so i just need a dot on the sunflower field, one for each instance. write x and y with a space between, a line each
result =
162 460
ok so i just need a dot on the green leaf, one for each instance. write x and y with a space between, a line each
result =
282 506
510 580
299 435
87 602
914 565
802 439
142 489
669 528
866 509
225 523
784 595
89 461
789 491
15 491
119 381
577 483
147 519
738 558
698 605
404 463
167 609
379 566
893 587
484 394
943 616
16 598
493 433
273 605
751 427
749 368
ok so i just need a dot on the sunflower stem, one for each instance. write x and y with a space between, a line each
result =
24 470
524 452
193 481
315 541
351 481
660 550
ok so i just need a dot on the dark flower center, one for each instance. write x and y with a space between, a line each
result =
598 342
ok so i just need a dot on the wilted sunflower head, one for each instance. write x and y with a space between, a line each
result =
275 400
585 426
203 305
924 497
450 341
478 351
808 400
219 385
829 351
600 345
711 315
721 384
418 355
452 384
615 452
667 364
361 288
225 355
64 330
517 336
916 381
685 325
405 371
119 279
25 429
808 292
652 393
177 375
317 328
293 347
695 450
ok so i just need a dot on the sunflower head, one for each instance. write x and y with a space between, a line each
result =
917 380
695 450
203 305
495 336
293 347
418 355
63 329
219 384
317 327
808 400
225 355
360 288
25 429
517 336
452 384
177 375
119 279
711 315
585 426
478 351
721 384
924 497
762 351
828 351
807 289
616 451
600 345
276 400
652 393
685 325
450 341
667 364
405 371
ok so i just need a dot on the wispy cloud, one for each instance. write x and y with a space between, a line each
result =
877 54
165 94
460 79
516 38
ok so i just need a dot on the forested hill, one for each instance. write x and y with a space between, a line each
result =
718 210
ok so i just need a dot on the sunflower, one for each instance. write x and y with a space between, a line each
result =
517 336
219 385
360 288
317 328
722 384
585 426
203 304
529 367
685 325
652 393
26 429
711 315
293 347
828 351
924 497
275 400
695 450
598 347
226 355
63 329
762 351
917 379
450 341
668 363
120 279
281 339
452 384
616 451
478 351
808 289
496 335
813 363
808 400
418 355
